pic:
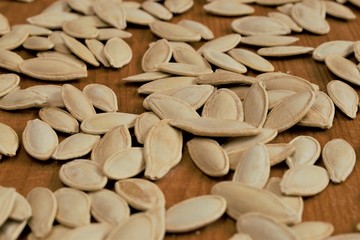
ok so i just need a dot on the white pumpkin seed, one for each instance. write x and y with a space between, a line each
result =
158 53
344 97
279 152
304 180
314 230
52 92
338 10
83 175
169 140
4 25
115 140
173 32
208 156
224 61
281 118
339 158
73 207
44 206
39 139
21 210
189 56
141 194
138 16
117 52
229 8
110 12
284 51
222 78
157 10
251 60
124 164
7 200
146 77
103 122
268 40
12 229
64 56
10 60
271 229
59 45
75 146
57 232
59 119
257 25
222 44
256 105
82 6
263 201
276 96
52 20
178 6
92 231
9 140
108 33
143 124
183 69
287 20
307 151
79 28
109 207
76 102
204 209
253 168
343 68
97 48
166 84
52 69
336 47
198 27
101 96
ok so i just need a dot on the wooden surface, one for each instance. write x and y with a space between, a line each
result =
338 204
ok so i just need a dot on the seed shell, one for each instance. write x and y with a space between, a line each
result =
166 84
157 10
22 99
110 12
304 180
101 96
204 209
256 105
115 140
103 122
307 151
143 124
13 39
313 230
173 32
9 140
39 139
21 210
208 156
224 61
287 20
73 207
337 47
141 194
167 138
109 207
251 60
178 6
7 200
75 146
52 92
117 52
284 51
77 103
230 8
257 25
344 97
198 27
10 60
160 52
339 158
222 44
59 119
44 206
268 40
183 69
83 175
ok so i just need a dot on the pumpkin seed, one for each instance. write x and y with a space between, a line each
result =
313 230
59 45
101 96
108 33
146 77
9 140
80 50
110 12
271 229
165 137
284 51
307 151
221 44
357 50
189 56
141 194
52 20
117 52
59 119
173 32
7 200
77 103
240 236
304 180
344 97
158 53
178 6
39 139
82 6
22 99
97 48
91 232
52 69
338 10
52 92
224 104
21 210
13 39
229 8
73 207
143 124
183 69
115 140
44 206
215 127
166 84
109 207
57 232
208 156
279 152
138 16
263 201
79 28
339 158
204 209
83 175
224 61
198 27
103 122
309 19
157 10
251 60
75 146
287 20
222 78
268 40
124 164
256 105
276 96
10 60
337 47
12 229
280 118
253 168
4 25
257 25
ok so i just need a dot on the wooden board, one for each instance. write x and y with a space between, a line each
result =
338 204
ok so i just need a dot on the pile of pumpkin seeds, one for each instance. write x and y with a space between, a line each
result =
185 95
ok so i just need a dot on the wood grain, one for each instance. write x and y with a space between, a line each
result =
338 204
